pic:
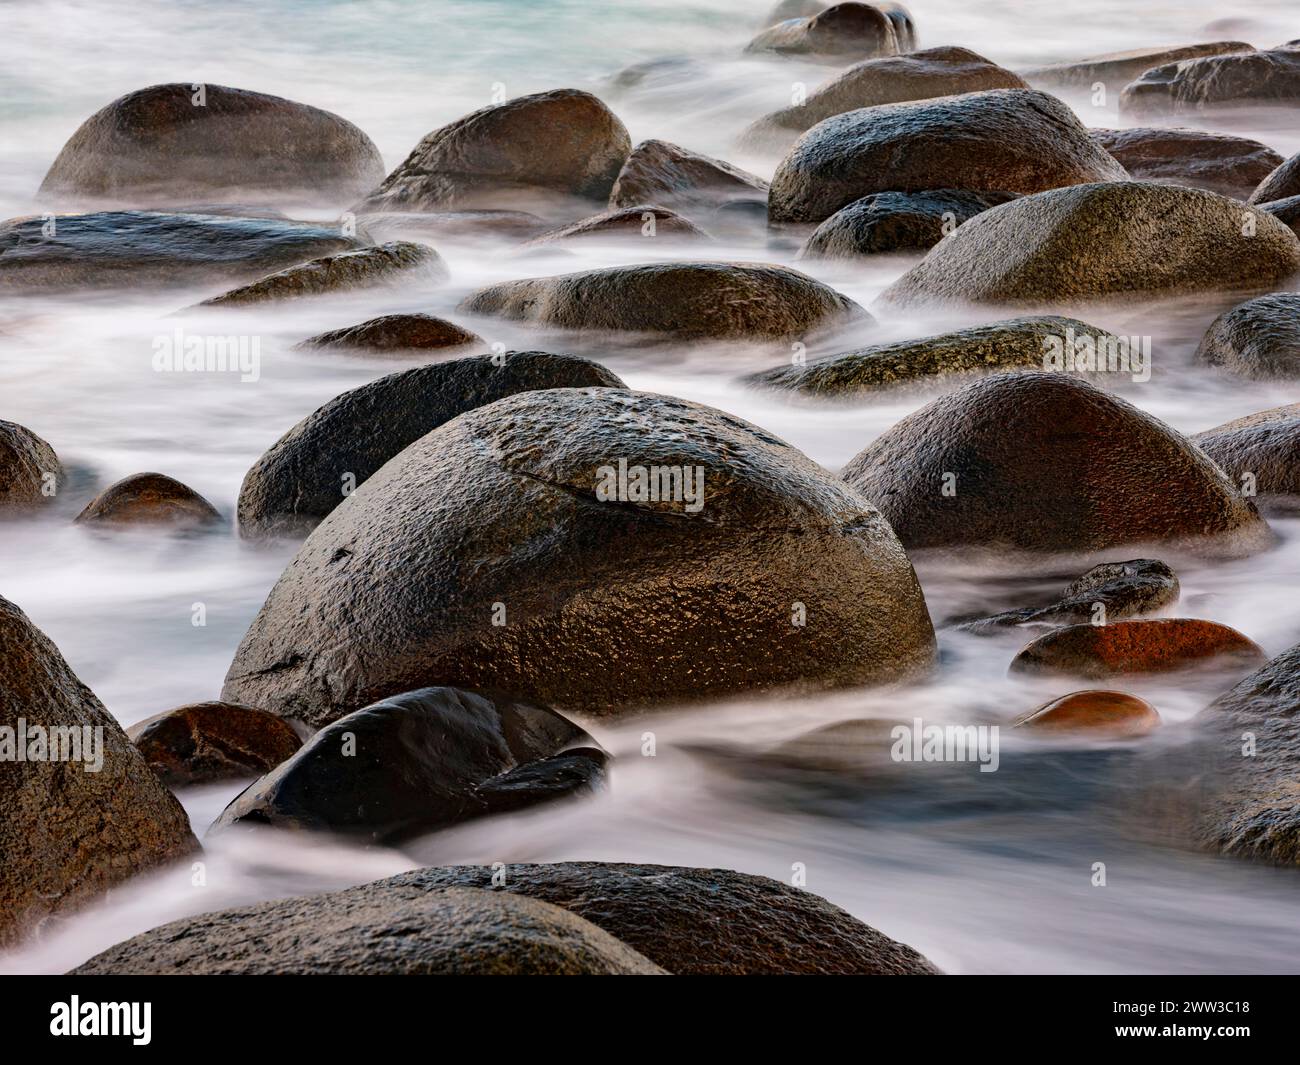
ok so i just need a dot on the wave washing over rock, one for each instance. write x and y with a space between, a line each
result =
650 489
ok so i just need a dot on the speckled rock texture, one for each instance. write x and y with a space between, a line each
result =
419 762
375 930
525 154
896 222
1259 339
889 80
384 264
149 499
699 922
900 16
28 469
134 249
665 174
1049 463
396 334
69 834
1216 83
161 145
1123 241
483 557
1230 166
1157 646
1282 183
1263 451
310 470
202 742
1003 140
677 300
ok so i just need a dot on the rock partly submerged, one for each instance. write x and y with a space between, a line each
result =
893 79
396 334
378 930
30 471
1093 714
312 468
667 175
178 143
1121 241
137 249
1116 69
534 153
1160 645
419 762
642 222
82 810
1260 452
203 742
1001 140
886 222
1258 339
947 359
1044 462
149 499
1230 166
843 30
1216 83
527 547
1280 184
685 300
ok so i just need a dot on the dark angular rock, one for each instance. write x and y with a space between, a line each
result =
149 499
310 470
420 762
202 742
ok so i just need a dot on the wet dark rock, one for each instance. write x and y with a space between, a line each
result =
637 223
1095 714
1117 69
893 79
69 833
1121 589
685 300
903 26
1216 83
160 145
375 930
843 30
699 922
532 153
1071 246
1285 211
1282 183
133 249
396 334
670 176
202 742
897 221
1251 754
1003 140
1016 344
1259 339
484 556
30 471
309 471
419 762
1159 646
149 499
384 264
958 473
1261 451
1230 166
506 226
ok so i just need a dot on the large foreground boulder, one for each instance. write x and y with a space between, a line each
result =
1071 246
419 762
1116 69
1230 166
1016 344
82 809
685 300
312 468
890 80
376 930
531 153
1260 452
1003 140
202 742
699 922
133 249
177 144
1250 748
1045 462
594 550
1216 83
384 264
1281 184
1258 339
843 30
30 471
887 222
670 176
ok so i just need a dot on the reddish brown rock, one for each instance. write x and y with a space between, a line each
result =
202 742
149 499
1158 646
396 334
1097 713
